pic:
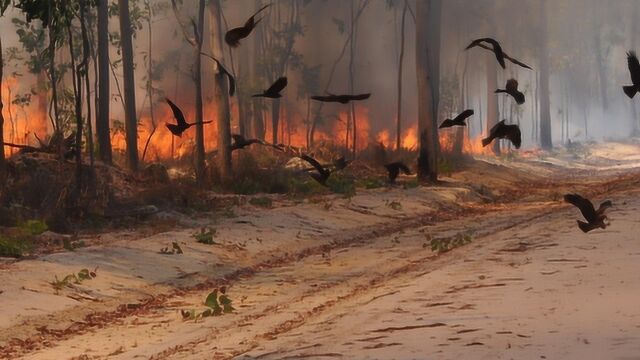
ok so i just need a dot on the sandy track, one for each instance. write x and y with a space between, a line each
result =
306 280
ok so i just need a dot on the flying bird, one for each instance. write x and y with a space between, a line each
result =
511 88
495 47
222 69
273 91
182 124
634 70
240 142
394 169
343 99
458 120
513 60
504 131
341 163
233 36
322 173
595 218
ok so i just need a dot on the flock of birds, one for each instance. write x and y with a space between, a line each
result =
321 173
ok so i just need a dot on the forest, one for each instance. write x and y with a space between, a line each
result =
208 152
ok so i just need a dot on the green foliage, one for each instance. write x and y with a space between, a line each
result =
78 278
342 184
11 246
447 244
32 227
72 245
205 236
175 249
262 201
445 166
217 303
371 183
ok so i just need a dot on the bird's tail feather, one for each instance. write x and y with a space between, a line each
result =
486 141
630 90
586 227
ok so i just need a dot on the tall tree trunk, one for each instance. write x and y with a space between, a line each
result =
131 123
602 76
86 53
428 17
492 99
3 173
77 97
352 105
221 95
150 94
258 125
104 95
400 66
545 112
275 120
243 100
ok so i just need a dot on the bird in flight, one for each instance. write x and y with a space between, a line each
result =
595 218
394 168
497 50
221 68
458 120
504 131
322 174
634 70
240 142
233 36
495 47
511 88
343 99
274 90
182 125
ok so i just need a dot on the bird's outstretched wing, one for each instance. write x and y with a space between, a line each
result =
278 86
463 115
177 113
514 135
232 79
238 139
447 123
604 206
313 162
634 67
495 127
585 206
324 98
359 96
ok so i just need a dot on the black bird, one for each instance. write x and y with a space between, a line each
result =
343 99
233 36
341 163
634 70
182 125
515 61
511 88
240 142
394 169
322 173
221 68
273 92
504 131
595 218
496 48
458 120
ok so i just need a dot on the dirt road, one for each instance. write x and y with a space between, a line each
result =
347 278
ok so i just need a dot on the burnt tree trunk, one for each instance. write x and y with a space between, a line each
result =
545 112
131 123
221 95
492 99
428 15
104 75
400 68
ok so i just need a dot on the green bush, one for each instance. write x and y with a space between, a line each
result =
33 227
12 246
